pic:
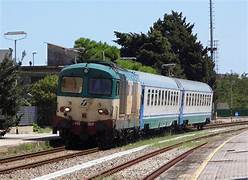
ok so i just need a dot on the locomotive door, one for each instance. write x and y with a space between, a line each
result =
123 94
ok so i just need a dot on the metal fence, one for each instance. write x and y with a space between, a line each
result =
233 112
29 115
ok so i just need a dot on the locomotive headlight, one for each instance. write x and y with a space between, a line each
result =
100 111
103 111
67 109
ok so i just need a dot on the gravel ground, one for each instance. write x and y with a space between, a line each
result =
142 169
49 168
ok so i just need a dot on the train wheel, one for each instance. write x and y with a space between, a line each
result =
199 126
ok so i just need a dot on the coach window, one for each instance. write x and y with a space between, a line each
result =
172 97
193 104
159 97
203 99
162 101
175 98
152 99
156 97
200 100
195 99
148 97
168 98
189 99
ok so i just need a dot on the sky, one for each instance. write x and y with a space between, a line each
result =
61 22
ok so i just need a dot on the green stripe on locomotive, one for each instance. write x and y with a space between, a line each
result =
88 71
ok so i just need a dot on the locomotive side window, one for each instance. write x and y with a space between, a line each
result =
72 84
117 88
100 86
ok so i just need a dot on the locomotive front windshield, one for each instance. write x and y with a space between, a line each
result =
72 84
100 86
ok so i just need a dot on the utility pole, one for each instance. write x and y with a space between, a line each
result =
231 96
211 30
213 43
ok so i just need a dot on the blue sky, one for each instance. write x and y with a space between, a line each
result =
61 22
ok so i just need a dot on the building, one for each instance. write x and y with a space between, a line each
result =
4 53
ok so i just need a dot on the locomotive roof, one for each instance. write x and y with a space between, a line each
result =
189 85
101 67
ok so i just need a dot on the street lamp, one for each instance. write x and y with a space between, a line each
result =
34 52
15 36
164 66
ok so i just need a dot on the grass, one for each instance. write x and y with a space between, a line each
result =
168 138
39 129
25 148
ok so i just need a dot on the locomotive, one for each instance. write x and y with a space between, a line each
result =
100 100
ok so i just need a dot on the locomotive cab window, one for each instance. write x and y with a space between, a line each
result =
71 84
100 86
117 88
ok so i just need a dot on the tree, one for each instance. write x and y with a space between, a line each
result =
96 50
231 85
170 40
9 93
44 97
129 64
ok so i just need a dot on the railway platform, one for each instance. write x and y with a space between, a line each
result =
228 161
16 139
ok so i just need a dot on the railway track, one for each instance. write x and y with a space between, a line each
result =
125 165
46 161
171 163
209 126
30 155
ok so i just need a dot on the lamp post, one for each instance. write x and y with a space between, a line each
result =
34 52
15 36
231 92
164 66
